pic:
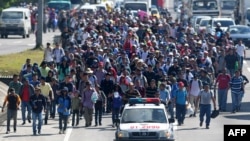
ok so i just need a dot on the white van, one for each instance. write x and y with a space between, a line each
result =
89 8
15 21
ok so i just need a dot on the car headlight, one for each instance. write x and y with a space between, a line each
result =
122 134
165 134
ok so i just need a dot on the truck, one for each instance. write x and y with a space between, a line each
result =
203 7
135 5
227 8
242 12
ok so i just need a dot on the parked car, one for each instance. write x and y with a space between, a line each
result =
240 32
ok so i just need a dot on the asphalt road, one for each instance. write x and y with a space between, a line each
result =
190 131
15 44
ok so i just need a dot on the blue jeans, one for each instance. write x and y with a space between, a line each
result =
180 113
236 100
25 105
35 117
63 121
222 98
53 108
240 62
231 72
115 114
205 109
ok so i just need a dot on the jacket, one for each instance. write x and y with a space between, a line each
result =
37 101
64 104
31 90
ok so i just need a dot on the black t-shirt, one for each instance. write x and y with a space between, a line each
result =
230 61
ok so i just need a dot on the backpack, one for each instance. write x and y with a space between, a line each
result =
199 82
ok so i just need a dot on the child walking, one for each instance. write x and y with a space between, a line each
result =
75 106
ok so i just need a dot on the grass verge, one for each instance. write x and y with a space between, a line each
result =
12 63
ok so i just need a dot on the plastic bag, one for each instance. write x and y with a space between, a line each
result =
94 97
189 109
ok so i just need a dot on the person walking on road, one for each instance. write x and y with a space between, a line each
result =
88 104
99 105
47 92
223 80
64 105
13 101
237 90
180 101
204 98
26 91
38 104
75 106
15 83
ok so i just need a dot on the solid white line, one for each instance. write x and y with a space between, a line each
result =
69 130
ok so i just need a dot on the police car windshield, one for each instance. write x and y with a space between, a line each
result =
143 115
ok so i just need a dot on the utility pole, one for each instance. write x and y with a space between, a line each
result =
39 34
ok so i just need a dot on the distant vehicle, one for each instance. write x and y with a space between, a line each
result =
155 11
227 7
88 8
240 32
204 7
15 21
225 23
135 5
203 24
59 5
195 21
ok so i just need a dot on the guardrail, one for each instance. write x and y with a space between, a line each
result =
6 79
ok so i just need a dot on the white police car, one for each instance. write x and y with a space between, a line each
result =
144 119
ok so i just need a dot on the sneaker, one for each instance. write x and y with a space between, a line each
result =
100 124
39 132
14 130
23 123
64 131
29 120
207 127
34 133
113 125
7 132
60 132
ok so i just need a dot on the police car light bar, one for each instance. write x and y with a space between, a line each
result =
144 101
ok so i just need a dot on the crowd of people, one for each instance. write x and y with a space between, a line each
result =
107 57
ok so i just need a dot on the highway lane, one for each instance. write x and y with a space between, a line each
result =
15 44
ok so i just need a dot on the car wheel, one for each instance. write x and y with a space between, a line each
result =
24 36
27 35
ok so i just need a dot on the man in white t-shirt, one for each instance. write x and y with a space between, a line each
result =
194 90
241 51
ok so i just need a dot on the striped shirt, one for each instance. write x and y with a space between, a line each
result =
236 84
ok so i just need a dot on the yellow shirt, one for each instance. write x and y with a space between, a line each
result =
45 89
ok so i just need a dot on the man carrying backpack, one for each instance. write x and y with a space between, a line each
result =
13 101
194 90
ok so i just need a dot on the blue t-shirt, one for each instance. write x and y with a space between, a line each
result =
180 96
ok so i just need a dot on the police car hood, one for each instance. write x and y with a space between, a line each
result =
146 126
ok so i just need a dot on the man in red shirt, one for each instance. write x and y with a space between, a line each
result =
26 91
223 80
